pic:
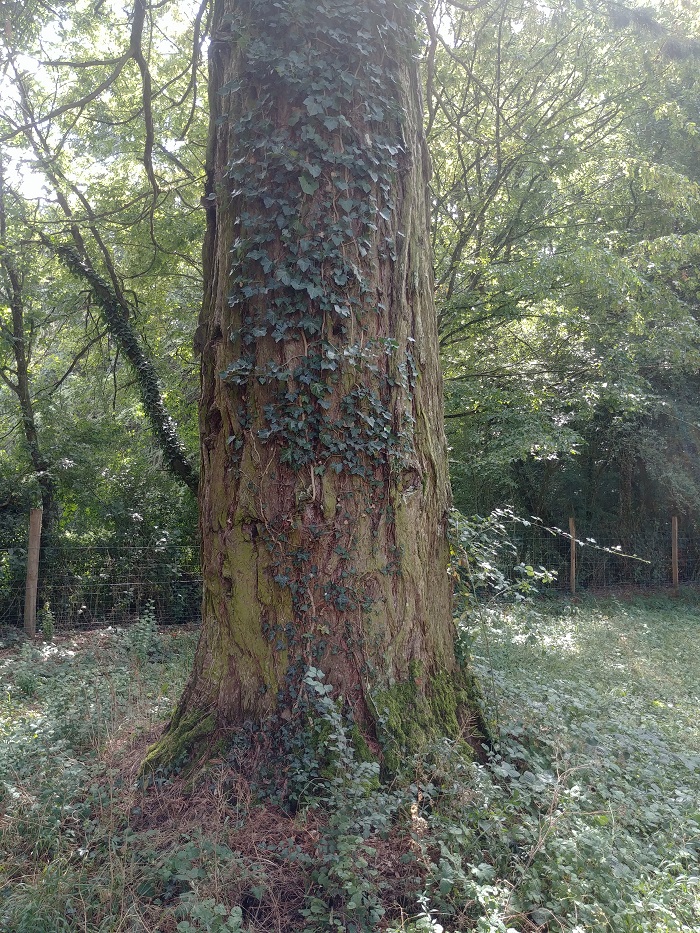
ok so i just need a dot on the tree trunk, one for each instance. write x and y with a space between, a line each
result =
115 314
324 487
15 335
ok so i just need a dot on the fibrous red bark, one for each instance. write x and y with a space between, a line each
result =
324 489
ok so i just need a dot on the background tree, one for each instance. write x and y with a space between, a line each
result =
127 207
564 151
103 183
16 331
108 237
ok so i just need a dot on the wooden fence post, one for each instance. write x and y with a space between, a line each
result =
30 591
674 553
572 571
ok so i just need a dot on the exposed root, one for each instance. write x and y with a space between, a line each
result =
180 741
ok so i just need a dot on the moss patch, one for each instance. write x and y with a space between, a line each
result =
179 742
363 752
421 709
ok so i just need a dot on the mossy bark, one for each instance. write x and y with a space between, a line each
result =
324 539
417 712
182 739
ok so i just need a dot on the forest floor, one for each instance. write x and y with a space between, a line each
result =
586 817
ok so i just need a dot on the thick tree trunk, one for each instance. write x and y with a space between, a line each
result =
324 487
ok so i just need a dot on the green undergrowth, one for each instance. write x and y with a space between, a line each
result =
584 818
64 708
599 794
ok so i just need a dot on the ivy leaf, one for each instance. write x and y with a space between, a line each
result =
308 185
312 105
315 291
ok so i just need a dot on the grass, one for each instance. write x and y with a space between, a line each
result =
73 715
586 817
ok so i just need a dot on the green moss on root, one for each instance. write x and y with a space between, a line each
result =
180 741
421 710
363 752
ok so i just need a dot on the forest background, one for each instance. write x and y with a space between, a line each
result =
566 212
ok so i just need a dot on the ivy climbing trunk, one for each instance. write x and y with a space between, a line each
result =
115 314
324 488
17 333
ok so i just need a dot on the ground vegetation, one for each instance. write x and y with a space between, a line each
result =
583 816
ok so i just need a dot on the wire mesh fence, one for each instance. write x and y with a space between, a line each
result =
640 559
113 585
88 586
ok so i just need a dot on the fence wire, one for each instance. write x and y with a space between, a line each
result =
88 586
641 560
113 585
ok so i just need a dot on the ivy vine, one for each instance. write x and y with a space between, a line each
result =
319 144
115 316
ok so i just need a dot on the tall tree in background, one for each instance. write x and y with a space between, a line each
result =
15 356
324 493
565 216
115 213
